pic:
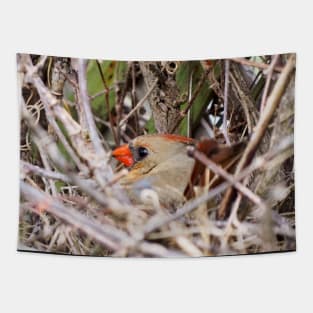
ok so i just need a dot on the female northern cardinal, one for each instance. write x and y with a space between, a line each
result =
160 162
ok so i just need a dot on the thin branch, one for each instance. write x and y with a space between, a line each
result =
97 160
259 131
191 101
268 82
230 178
195 93
225 131
259 65
107 101
138 105
40 64
45 162
107 235
82 81
121 96
241 89
41 137
28 167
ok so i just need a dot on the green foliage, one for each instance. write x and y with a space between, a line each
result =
184 71
150 127
59 184
95 85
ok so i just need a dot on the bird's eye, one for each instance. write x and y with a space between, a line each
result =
142 152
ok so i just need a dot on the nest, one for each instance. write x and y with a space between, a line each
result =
74 112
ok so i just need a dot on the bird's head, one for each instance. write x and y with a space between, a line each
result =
145 152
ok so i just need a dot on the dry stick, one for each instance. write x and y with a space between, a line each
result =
82 167
98 94
195 94
241 89
107 102
50 117
243 104
82 82
230 178
101 159
120 102
234 210
105 234
158 221
268 82
77 103
272 103
49 101
46 164
134 96
72 127
191 101
189 112
28 167
41 137
40 64
225 132
138 105
74 131
261 66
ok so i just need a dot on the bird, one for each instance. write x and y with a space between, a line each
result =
161 163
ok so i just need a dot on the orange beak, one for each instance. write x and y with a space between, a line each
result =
124 155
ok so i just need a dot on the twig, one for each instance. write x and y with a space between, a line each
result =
225 131
28 167
83 168
138 105
189 112
259 65
259 131
42 138
121 96
51 105
268 82
240 88
134 96
97 160
108 236
195 94
230 178
82 81
105 234
102 171
107 101
100 93
234 210
190 102
45 162
40 64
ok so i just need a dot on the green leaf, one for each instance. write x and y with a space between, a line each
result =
182 77
150 127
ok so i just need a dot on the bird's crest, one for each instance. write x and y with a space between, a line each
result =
177 138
